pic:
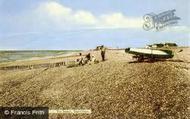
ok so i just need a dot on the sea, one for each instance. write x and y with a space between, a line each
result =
13 55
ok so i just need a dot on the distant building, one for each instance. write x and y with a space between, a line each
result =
160 45
170 45
98 47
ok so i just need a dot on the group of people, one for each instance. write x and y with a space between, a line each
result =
89 59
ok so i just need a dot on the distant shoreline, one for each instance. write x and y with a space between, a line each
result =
19 55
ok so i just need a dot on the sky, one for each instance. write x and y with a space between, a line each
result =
84 24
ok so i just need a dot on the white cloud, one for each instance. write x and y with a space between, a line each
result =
85 17
65 16
56 9
118 20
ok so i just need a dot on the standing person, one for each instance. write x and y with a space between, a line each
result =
88 57
103 51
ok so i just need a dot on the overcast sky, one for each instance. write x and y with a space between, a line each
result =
84 24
